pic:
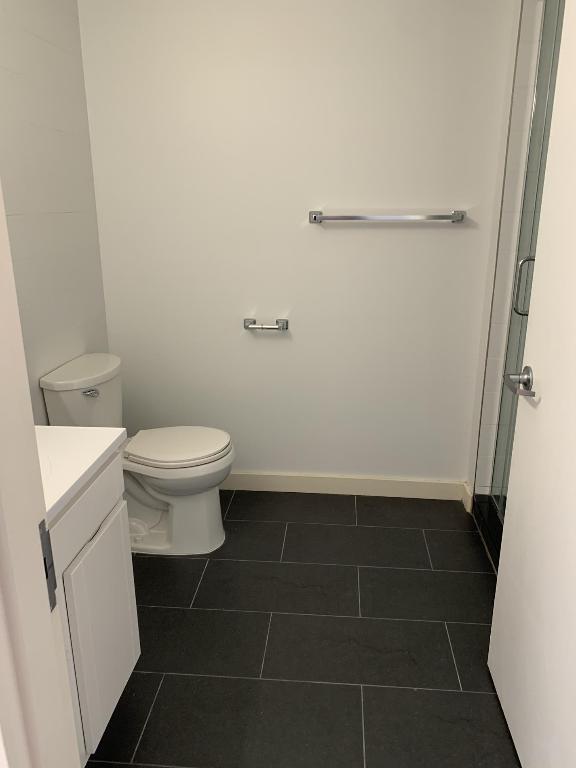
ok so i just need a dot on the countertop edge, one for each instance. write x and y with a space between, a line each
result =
82 480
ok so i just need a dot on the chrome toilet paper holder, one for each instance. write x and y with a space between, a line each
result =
250 324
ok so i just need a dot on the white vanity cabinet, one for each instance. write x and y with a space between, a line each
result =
103 625
93 566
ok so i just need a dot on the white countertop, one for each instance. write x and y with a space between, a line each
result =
69 457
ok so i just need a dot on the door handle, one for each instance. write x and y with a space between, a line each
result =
516 308
521 383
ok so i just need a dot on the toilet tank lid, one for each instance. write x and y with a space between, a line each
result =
83 371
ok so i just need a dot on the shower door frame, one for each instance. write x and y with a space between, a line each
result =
490 510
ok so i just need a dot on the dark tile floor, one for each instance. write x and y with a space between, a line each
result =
327 632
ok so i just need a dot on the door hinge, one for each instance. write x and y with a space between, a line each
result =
48 563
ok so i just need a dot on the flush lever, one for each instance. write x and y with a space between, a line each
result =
521 383
93 392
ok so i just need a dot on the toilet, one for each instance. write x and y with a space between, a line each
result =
171 474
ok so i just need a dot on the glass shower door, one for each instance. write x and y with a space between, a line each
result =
526 250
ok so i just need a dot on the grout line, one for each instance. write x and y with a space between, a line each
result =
229 505
315 615
474 623
359 597
147 718
352 525
356 509
322 682
266 645
363 727
198 585
115 763
284 543
453 656
340 565
428 549
450 530
298 522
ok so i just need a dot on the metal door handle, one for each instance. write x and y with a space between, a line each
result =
521 264
521 383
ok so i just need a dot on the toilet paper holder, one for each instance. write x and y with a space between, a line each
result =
250 324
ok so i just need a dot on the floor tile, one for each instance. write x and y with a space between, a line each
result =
293 507
202 642
413 513
252 541
282 587
433 595
253 724
458 551
405 653
433 729
166 580
125 726
356 545
470 644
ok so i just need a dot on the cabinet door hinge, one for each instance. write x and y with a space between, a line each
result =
48 563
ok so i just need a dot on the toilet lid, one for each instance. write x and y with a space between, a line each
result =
177 447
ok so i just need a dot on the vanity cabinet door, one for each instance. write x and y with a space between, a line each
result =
101 605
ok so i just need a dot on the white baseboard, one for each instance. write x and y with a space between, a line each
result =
361 485
468 496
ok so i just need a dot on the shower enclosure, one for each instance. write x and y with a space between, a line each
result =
526 249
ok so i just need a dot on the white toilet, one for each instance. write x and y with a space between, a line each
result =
171 474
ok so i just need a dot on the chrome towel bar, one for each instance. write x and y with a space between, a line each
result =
250 324
455 217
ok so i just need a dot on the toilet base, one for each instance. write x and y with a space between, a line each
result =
175 525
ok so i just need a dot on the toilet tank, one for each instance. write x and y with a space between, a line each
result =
85 392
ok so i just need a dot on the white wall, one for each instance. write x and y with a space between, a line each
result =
37 659
46 172
215 127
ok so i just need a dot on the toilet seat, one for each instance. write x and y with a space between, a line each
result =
173 448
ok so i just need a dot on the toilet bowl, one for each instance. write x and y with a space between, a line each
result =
172 476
